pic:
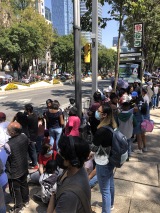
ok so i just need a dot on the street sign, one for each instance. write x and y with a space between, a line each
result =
123 55
138 34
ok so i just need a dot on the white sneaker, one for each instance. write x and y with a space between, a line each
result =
138 151
26 205
112 207
145 149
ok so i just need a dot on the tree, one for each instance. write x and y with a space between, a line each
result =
149 14
7 16
119 9
106 58
19 5
62 51
8 50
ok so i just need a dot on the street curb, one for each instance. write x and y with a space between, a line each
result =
29 88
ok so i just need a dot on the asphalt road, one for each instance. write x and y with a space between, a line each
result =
12 102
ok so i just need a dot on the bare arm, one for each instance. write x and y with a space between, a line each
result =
92 174
41 169
51 204
61 120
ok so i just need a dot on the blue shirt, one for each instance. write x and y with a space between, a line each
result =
3 157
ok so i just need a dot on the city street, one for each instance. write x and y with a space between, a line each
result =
14 101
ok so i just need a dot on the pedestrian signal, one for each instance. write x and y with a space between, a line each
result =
87 53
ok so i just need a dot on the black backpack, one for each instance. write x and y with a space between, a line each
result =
119 149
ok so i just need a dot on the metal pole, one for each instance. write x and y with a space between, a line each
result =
77 56
94 37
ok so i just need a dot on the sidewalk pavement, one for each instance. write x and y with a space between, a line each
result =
137 182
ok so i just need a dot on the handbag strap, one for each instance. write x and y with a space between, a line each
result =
101 148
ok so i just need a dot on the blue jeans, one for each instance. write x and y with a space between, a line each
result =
35 177
93 181
55 135
129 146
154 100
106 184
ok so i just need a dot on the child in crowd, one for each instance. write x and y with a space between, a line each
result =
48 182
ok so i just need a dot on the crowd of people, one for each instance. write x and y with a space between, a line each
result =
62 162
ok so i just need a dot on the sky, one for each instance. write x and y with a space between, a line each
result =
108 33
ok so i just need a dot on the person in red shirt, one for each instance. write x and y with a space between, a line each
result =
73 124
46 154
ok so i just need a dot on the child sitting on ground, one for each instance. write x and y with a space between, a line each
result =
48 182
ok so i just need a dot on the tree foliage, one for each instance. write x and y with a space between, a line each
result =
149 14
28 37
106 58
62 51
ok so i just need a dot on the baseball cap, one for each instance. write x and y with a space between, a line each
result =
2 115
134 94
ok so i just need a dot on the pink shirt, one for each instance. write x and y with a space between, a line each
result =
74 122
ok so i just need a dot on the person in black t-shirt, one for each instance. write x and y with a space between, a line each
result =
33 133
55 123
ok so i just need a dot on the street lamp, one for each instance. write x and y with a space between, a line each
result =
77 56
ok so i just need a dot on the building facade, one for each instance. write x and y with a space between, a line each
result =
115 42
48 15
62 16
85 34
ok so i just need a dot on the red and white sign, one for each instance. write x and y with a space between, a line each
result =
138 28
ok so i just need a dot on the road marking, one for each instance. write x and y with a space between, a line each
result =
3 97
23 100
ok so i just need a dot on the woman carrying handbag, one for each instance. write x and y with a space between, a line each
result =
103 141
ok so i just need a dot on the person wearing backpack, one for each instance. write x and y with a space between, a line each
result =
137 103
126 122
103 138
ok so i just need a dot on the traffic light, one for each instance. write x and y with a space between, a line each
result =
87 53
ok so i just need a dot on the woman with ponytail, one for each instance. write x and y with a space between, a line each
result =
103 141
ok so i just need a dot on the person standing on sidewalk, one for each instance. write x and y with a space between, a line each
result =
155 95
17 167
33 133
73 124
103 138
55 122
136 104
126 122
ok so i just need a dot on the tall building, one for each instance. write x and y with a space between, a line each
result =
87 35
39 4
62 16
48 14
115 42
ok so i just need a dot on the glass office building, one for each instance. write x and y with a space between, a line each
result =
87 35
62 16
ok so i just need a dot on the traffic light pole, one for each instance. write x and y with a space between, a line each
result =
94 37
77 56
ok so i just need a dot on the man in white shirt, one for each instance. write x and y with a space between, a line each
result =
3 128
